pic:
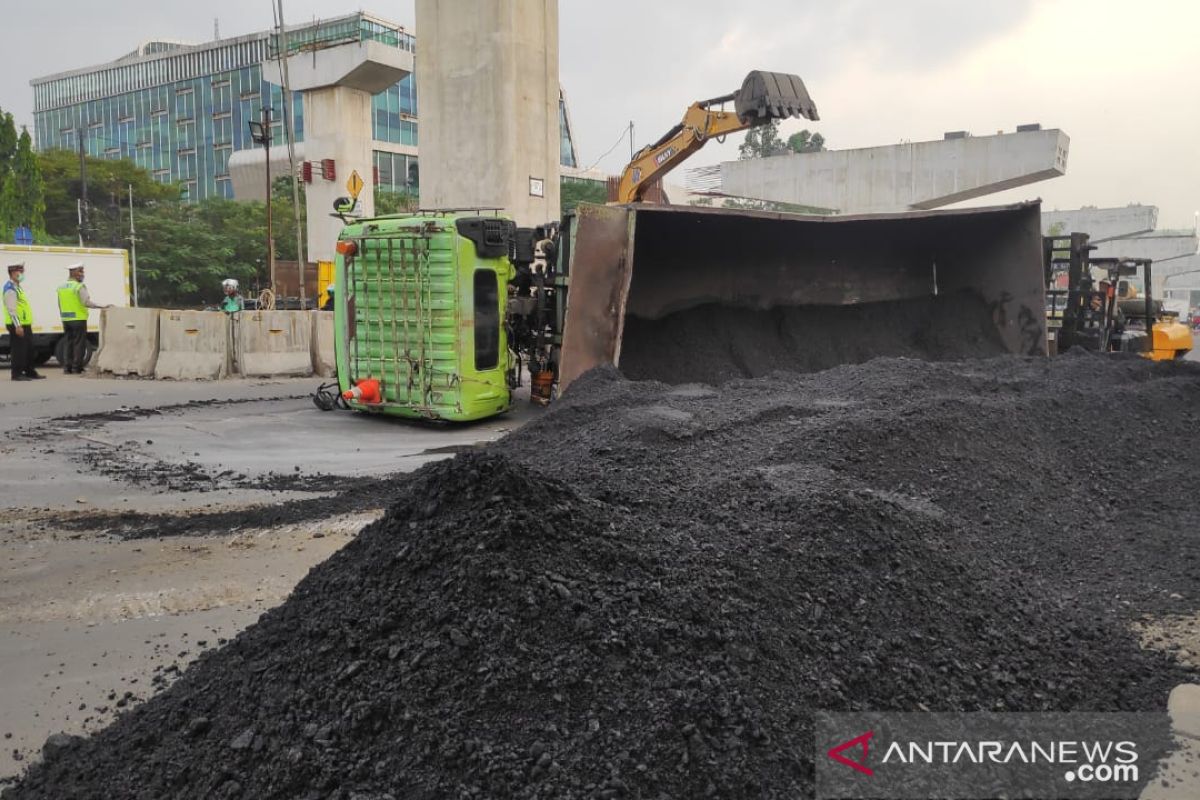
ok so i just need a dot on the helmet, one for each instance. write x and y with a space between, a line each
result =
75 266
229 283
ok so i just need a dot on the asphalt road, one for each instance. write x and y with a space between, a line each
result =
85 617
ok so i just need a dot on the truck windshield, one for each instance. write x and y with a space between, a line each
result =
487 320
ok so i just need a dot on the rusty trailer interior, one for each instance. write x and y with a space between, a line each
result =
683 294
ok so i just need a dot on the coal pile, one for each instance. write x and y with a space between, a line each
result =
648 592
715 342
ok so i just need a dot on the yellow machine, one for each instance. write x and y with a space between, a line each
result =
1170 339
764 96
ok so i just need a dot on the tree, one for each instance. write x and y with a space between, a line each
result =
388 202
283 223
762 141
185 250
8 145
806 142
108 195
22 197
574 192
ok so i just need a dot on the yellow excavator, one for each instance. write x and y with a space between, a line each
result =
764 96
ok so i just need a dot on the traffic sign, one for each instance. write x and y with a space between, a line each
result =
354 184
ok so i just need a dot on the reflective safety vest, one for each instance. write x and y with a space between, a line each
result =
24 311
70 307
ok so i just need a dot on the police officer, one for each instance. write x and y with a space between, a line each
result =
18 319
73 304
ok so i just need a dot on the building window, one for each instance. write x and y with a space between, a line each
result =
186 138
222 129
221 161
185 104
187 164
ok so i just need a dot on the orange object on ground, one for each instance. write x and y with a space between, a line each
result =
365 391
541 386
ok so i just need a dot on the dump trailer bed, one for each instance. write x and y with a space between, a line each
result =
684 294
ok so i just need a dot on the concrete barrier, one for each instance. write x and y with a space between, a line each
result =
193 345
128 341
270 343
323 358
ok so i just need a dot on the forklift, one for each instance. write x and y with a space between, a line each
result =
1105 314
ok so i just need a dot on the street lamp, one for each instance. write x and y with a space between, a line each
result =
260 132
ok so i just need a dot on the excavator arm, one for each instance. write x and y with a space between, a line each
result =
764 96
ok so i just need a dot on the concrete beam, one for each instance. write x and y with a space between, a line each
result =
367 66
1181 271
916 175
1102 223
1161 246
248 174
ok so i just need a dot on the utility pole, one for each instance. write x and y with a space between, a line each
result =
291 145
83 194
260 132
270 229
133 246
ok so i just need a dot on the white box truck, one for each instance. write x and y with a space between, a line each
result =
107 279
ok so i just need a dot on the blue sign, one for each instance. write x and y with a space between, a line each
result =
23 235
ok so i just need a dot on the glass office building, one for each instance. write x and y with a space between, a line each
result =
181 110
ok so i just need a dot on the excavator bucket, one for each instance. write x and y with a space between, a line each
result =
683 294
773 95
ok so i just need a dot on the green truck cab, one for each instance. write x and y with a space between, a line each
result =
419 307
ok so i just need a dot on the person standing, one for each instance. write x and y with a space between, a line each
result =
73 304
232 302
18 320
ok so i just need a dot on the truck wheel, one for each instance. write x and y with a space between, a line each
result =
41 356
60 352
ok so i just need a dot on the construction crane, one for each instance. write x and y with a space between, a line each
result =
764 96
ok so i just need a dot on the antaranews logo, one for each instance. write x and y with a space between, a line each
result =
983 755
860 742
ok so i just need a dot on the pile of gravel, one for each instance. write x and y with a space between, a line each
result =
648 592
714 343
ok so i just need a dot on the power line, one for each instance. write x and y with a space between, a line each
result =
624 133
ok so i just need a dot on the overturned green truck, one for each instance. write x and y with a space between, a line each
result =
447 311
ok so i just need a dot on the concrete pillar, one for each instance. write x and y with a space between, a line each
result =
487 79
337 125
338 83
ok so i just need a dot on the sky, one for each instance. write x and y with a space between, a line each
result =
1121 78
